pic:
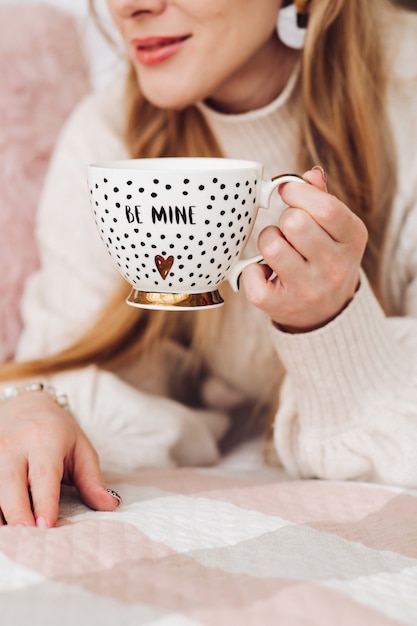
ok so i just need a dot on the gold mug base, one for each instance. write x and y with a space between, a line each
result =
174 301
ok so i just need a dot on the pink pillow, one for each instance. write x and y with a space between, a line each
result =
43 73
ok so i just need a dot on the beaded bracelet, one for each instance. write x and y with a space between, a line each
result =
12 392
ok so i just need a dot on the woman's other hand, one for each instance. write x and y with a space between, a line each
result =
312 258
41 445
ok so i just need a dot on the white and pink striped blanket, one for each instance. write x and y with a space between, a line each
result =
223 546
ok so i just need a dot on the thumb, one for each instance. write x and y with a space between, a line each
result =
317 177
88 479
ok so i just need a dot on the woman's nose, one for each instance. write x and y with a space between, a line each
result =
133 8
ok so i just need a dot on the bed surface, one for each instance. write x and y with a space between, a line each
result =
235 544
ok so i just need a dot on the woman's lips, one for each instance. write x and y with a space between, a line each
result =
153 50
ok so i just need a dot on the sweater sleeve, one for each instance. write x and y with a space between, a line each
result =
348 405
133 429
129 427
76 275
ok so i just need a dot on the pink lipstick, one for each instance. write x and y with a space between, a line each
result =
152 50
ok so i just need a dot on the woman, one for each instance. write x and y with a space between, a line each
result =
318 346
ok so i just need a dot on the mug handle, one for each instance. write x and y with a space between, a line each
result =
267 187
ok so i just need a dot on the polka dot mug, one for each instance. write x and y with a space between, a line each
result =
176 227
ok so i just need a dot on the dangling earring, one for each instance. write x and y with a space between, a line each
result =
292 23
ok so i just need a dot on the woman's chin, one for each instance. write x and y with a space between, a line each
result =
166 95
167 101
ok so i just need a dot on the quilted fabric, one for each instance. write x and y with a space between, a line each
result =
218 547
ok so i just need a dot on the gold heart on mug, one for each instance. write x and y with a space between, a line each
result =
164 265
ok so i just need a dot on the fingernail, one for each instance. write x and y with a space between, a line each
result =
323 173
114 494
41 522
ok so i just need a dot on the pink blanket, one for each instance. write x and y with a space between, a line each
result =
222 546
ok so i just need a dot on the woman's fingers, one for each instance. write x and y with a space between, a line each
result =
314 256
14 493
40 446
317 177
30 492
88 479
334 217
45 476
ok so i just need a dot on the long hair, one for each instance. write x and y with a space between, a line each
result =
344 128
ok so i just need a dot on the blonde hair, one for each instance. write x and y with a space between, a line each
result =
342 86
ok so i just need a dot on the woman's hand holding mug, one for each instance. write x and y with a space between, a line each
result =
312 258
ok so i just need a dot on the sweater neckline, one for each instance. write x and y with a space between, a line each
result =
257 114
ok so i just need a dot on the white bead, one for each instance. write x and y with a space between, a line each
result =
10 392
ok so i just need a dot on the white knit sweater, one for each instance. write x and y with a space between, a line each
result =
348 403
